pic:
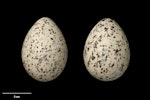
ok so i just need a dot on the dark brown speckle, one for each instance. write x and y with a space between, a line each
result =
112 65
93 57
105 28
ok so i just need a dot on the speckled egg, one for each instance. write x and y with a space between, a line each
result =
44 50
106 52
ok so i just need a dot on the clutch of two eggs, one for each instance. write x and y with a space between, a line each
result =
106 51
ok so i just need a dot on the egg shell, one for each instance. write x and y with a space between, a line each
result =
106 52
44 50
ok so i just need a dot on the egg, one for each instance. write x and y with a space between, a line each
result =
106 51
44 51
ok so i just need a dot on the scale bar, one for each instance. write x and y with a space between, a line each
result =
16 93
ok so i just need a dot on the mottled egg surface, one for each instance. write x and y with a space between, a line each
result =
44 50
106 52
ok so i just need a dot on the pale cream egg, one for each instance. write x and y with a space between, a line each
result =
44 50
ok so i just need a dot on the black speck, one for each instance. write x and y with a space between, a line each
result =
95 44
100 66
112 65
28 69
98 55
111 21
103 70
94 65
88 49
112 27
54 69
88 62
108 35
120 55
106 70
52 31
115 58
122 38
122 65
93 57
106 58
100 38
116 51
105 29
38 70
59 49
99 62
28 55
94 36
40 78
100 25
103 54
